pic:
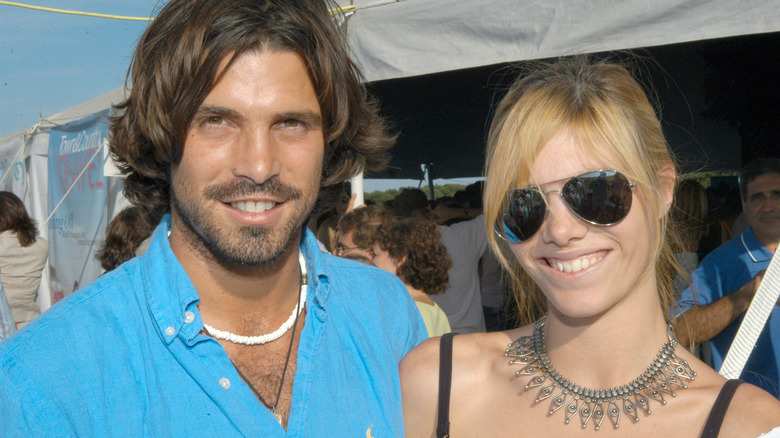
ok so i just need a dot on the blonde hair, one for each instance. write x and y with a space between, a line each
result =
612 120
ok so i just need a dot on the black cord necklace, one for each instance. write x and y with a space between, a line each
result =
272 407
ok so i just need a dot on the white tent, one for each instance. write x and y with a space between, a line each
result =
24 170
416 37
393 39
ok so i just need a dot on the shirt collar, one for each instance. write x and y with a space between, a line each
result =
169 291
757 252
319 281
173 299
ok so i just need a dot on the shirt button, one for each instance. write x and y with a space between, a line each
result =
225 382
189 317
170 331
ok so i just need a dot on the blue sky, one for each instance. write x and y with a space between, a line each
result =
50 62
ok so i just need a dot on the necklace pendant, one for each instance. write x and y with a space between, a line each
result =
545 392
528 370
630 409
613 412
674 380
557 402
655 394
586 411
642 402
598 415
277 415
536 381
571 409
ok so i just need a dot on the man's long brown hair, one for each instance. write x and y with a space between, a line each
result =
176 65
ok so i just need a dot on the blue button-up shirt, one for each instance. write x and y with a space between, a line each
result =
723 271
125 357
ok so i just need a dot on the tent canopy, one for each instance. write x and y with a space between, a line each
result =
438 67
394 39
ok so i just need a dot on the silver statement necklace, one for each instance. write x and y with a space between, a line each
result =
665 374
278 333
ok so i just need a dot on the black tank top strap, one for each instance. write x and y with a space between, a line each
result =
445 381
715 420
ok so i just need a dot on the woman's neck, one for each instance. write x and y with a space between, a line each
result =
419 295
607 351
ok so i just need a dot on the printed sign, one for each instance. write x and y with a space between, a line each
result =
78 196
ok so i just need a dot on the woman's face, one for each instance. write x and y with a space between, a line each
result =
585 270
383 260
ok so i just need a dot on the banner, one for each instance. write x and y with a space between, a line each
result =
13 170
78 198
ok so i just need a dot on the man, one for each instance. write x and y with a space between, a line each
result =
355 234
727 279
239 110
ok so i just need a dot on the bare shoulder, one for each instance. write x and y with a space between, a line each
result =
468 351
752 412
419 372
420 376
420 368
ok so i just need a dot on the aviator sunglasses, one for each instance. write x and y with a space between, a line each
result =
602 197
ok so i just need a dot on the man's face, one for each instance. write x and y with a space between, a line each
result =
251 164
762 207
345 245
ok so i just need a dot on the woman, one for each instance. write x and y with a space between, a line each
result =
127 235
22 257
410 248
579 183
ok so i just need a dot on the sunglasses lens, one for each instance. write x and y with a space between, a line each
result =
602 197
523 215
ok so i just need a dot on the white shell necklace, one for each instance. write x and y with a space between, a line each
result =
264 339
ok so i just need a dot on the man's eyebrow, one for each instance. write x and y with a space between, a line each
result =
310 117
217 111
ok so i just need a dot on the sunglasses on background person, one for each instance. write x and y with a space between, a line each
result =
602 197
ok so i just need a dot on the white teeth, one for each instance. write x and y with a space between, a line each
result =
252 206
576 265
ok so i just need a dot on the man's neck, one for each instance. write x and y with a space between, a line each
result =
237 298
768 242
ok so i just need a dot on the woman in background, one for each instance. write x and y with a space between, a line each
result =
411 249
579 184
22 258
127 235
689 213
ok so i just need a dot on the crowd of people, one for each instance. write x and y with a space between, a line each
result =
245 296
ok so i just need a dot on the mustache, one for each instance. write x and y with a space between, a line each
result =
242 188
768 215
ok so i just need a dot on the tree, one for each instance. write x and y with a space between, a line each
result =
439 191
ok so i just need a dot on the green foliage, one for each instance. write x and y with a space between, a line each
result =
705 178
439 191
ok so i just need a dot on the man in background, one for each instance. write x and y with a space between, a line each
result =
725 282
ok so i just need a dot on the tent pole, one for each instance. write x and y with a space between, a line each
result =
357 187
429 168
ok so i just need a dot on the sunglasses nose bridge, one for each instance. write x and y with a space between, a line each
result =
562 199
561 223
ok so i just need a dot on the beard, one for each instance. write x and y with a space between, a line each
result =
259 245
